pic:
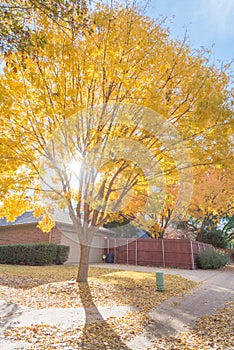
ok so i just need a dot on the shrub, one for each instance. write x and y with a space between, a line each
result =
33 254
211 259
62 254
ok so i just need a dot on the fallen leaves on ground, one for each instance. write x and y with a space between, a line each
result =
215 332
229 267
106 287
110 334
25 277
93 336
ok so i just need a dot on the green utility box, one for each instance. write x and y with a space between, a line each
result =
160 281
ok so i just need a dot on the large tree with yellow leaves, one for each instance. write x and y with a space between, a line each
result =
119 57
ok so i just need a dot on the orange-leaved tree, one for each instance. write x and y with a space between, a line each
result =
212 198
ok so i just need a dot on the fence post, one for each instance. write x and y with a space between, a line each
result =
127 251
136 252
163 253
108 246
115 251
192 256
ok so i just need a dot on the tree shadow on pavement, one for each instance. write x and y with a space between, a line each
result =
97 333
7 314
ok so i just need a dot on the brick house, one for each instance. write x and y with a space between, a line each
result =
24 230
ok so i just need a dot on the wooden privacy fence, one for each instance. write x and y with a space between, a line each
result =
155 252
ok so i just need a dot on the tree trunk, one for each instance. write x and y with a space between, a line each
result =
82 275
107 338
201 231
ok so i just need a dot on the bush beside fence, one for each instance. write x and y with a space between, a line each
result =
181 253
33 254
211 259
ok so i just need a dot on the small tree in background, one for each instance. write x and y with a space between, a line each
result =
214 237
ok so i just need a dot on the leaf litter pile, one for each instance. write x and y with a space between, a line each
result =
54 286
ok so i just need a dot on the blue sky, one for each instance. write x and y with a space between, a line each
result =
208 23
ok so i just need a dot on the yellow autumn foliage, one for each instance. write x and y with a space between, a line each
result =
119 56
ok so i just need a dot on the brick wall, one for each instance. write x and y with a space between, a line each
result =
27 234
